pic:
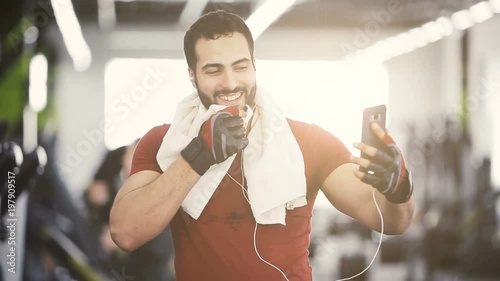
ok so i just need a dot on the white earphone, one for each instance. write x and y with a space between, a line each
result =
245 195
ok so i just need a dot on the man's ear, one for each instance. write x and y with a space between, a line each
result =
191 77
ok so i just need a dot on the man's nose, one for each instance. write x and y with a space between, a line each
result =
229 80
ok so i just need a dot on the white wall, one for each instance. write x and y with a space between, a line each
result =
424 86
80 110
484 93
484 83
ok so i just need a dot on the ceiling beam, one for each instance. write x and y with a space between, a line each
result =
266 14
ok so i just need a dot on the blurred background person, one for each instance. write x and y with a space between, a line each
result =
152 261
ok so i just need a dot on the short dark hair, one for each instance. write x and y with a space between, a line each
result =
212 26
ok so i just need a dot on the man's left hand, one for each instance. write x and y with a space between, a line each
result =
385 168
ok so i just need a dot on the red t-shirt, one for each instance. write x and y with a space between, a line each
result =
219 245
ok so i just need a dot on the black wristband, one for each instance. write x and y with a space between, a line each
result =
198 156
403 192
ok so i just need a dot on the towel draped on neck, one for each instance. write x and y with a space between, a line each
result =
273 162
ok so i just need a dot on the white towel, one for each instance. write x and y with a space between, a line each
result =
273 162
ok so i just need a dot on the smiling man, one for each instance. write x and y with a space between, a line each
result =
237 186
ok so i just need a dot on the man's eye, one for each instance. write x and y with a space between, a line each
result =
241 68
212 72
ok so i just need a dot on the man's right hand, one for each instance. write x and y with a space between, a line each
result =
221 136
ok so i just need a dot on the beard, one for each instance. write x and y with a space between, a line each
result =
249 94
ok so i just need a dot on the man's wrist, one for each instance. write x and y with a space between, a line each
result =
403 191
198 156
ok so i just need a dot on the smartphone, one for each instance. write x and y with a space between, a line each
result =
375 114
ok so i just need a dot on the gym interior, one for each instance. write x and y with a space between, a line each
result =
82 81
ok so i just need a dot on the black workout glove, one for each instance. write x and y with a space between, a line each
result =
388 173
221 136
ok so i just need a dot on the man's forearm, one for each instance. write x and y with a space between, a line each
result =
148 201
140 212
354 198
397 217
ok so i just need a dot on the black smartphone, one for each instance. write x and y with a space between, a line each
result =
375 114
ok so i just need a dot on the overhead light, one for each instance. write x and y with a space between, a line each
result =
445 26
377 53
396 48
383 50
481 11
72 34
432 31
266 14
38 83
406 42
30 129
495 5
462 19
418 35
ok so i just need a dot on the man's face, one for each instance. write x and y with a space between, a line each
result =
224 72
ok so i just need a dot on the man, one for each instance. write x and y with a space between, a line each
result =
224 232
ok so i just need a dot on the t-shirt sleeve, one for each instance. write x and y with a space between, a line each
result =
146 149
